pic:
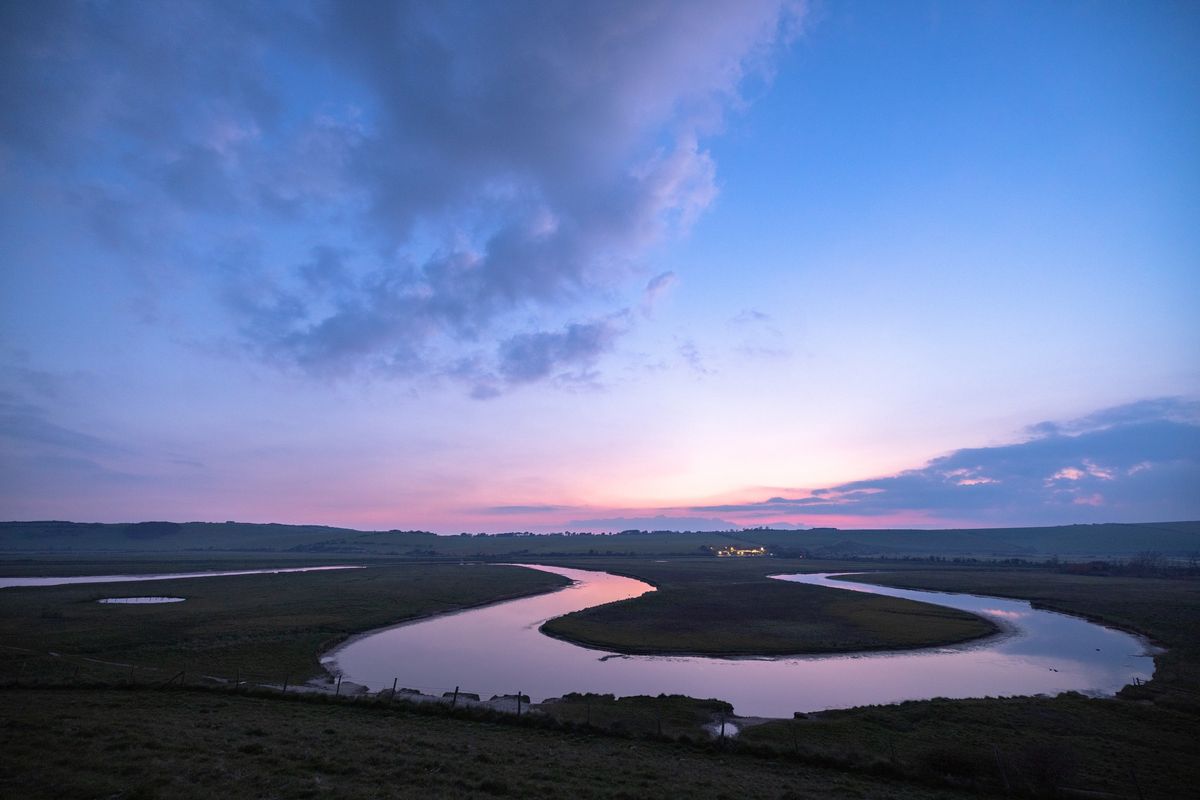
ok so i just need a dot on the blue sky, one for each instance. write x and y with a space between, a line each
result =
530 266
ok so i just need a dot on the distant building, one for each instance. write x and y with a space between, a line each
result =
734 550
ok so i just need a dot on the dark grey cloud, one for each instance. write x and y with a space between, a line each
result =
567 355
452 168
1137 462
162 75
532 356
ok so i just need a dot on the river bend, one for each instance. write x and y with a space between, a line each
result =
498 649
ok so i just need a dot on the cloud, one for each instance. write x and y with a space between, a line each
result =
749 315
539 508
73 73
531 356
1138 462
656 523
41 460
385 188
1171 409
758 336
657 287
26 425
691 356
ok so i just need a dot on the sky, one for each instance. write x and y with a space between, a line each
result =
600 265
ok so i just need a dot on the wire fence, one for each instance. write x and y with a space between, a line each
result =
24 667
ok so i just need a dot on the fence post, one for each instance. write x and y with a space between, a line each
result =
1136 784
392 699
454 701
338 691
518 702
1003 772
285 683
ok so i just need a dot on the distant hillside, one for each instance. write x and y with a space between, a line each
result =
162 536
1175 539
1102 540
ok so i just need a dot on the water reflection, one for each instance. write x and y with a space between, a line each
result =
498 649
1003 613
139 601
6 583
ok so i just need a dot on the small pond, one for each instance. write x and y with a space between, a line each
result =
139 601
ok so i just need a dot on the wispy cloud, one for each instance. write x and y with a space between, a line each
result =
535 508
692 356
25 424
44 462
758 336
657 287
658 522
1135 462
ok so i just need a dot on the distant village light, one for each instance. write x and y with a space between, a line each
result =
733 550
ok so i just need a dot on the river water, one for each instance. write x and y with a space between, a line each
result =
139 601
498 649
51 581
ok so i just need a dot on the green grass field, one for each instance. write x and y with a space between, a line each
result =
261 627
170 743
1025 746
188 744
729 607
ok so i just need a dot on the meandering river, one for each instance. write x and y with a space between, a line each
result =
498 650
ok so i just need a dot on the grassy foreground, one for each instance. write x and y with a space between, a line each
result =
729 607
1143 744
188 744
1024 745
74 742
261 627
